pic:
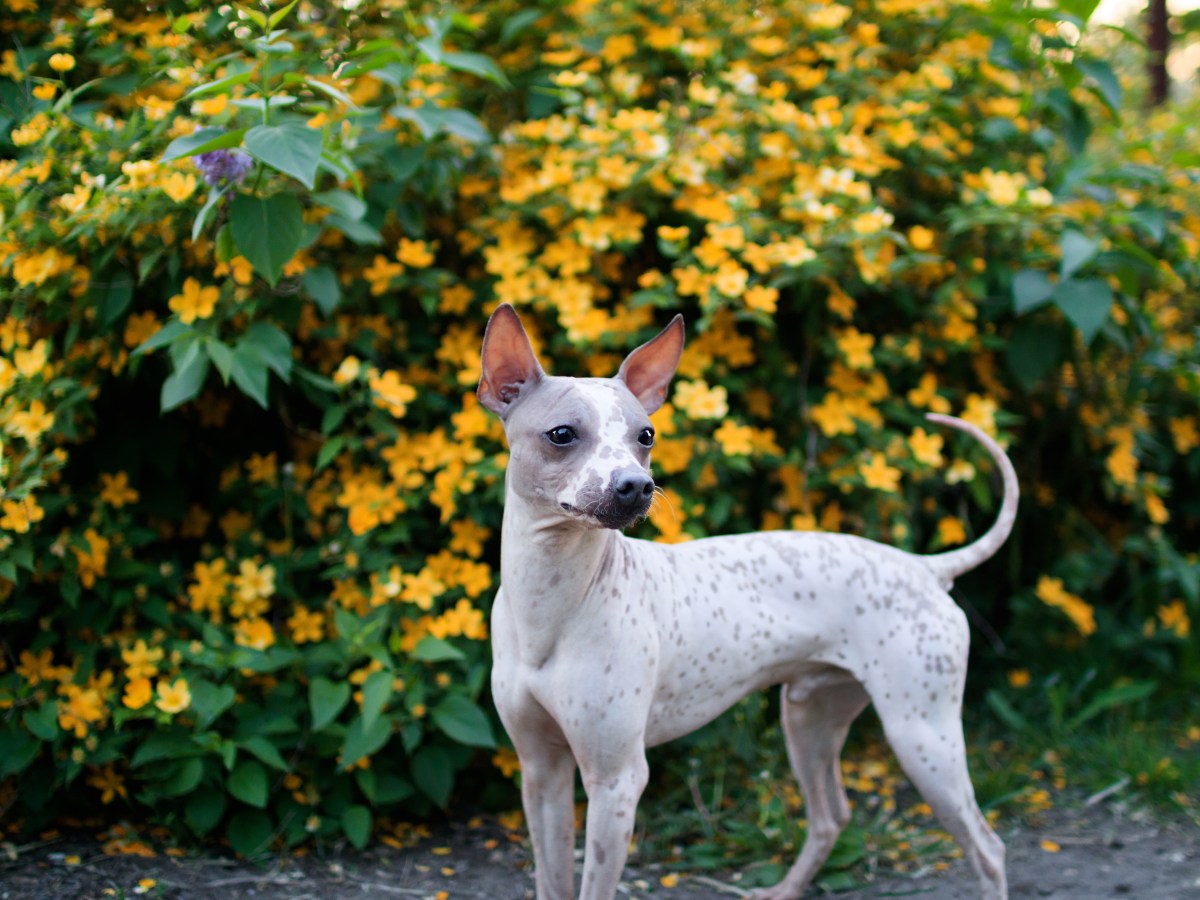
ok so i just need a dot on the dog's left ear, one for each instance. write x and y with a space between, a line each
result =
648 370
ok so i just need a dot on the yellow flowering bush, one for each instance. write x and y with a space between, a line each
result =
250 504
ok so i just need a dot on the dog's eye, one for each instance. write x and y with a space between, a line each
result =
562 435
646 438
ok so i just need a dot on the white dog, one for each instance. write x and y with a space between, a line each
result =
605 645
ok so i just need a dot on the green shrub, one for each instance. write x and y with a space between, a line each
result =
251 506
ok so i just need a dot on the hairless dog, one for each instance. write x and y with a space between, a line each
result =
605 645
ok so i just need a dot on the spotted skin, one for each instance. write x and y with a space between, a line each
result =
605 645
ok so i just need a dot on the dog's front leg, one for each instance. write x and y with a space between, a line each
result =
548 796
613 792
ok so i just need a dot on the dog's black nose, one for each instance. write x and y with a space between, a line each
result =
633 489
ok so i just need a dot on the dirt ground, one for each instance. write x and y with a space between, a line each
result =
1103 851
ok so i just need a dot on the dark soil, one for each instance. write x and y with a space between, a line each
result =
1104 851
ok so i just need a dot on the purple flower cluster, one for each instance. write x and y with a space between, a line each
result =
230 166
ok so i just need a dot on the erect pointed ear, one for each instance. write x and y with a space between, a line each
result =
648 370
509 365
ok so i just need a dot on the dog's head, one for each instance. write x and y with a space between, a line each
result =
579 447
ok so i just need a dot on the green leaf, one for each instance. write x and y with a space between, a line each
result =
476 64
433 774
43 721
225 248
17 750
279 15
248 783
461 720
356 822
518 22
221 356
210 700
204 810
1086 303
220 86
341 202
1120 695
267 231
250 832
272 345
250 374
260 747
163 745
172 331
326 699
203 140
358 231
1077 251
1030 289
321 284
253 15
184 383
184 779
377 690
432 121
431 649
1005 711
214 197
329 451
362 741
291 148
112 299
1108 87
1034 350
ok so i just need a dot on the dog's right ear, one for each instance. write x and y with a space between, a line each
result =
509 364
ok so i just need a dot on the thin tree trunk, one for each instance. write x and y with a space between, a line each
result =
1158 44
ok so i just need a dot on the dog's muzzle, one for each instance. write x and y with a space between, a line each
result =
627 499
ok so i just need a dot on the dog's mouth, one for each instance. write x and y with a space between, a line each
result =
617 516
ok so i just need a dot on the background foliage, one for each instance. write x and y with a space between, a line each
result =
250 504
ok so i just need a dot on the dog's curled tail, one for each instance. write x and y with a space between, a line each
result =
948 566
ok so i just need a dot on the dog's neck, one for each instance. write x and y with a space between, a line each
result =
548 565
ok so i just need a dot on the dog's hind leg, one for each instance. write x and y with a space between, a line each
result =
815 723
932 752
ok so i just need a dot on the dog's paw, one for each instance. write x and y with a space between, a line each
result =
781 891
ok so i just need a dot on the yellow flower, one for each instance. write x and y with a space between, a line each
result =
195 302
46 91
422 588
674 234
306 625
1051 592
697 400
115 490
735 440
179 186
30 362
111 785
856 348
925 395
391 393
731 279
141 661
141 174
879 475
32 423
761 298
920 238
1184 434
669 881
20 515
347 371
254 633
981 412
62 62
832 415
1018 678
414 253
1121 463
950 531
137 693
926 448
1049 846
173 697
139 328
211 106
380 273
1174 617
